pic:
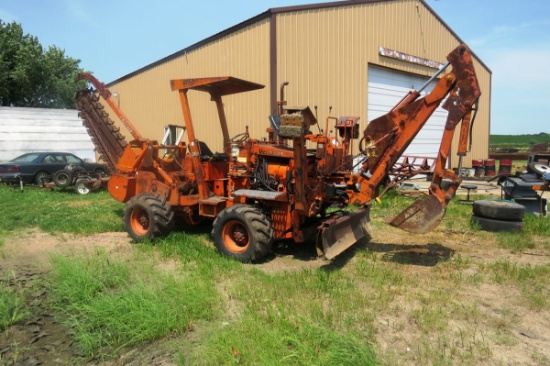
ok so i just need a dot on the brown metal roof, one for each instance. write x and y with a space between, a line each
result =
220 85
269 13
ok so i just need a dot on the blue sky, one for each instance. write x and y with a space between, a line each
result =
114 38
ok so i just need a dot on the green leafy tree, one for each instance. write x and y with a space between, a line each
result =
33 77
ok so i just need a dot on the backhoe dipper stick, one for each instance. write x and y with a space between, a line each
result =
425 214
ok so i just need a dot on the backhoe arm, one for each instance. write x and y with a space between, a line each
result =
388 136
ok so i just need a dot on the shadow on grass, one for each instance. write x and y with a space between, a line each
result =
300 251
307 251
428 255
204 227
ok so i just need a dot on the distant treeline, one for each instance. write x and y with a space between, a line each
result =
519 139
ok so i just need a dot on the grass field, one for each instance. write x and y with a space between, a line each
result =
520 142
520 139
455 296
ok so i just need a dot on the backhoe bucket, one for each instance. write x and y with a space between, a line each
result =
421 216
340 233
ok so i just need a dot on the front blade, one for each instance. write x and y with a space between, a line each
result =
342 232
421 216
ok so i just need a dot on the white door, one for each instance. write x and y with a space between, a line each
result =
386 88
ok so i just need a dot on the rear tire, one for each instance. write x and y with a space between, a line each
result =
78 172
497 225
147 216
62 178
243 232
499 210
41 178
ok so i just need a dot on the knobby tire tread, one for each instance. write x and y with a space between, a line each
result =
162 220
261 232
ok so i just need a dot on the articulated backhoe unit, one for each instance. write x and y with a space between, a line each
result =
295 184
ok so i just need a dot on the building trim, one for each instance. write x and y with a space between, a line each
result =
273 62
194 46
272 14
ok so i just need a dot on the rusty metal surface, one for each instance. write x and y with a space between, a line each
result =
296 185
261 195
388 136
223 85
340 233
421 217
108 140
409 166
106 95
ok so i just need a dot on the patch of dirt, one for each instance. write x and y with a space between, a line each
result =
43 339
34 247
497 326
502 330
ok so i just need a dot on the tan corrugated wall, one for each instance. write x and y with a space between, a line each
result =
150 104
323 53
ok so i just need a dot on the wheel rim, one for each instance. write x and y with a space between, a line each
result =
41 179
235 236
63 178
543 168
82 189
139 220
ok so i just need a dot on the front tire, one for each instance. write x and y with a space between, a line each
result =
147 216
242 232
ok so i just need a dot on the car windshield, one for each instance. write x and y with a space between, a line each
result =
26 158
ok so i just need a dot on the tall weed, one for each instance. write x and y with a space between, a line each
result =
109 306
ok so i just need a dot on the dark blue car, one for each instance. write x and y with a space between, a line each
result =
39 167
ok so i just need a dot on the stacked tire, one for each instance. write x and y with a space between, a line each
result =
68 176
495 215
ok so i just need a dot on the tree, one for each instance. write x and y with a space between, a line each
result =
32 77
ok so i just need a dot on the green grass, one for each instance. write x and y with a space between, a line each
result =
108 306
521 143
519 139
534 233
530 280
275 339
59 210
210 310
12 307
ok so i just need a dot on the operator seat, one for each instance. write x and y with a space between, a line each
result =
205 151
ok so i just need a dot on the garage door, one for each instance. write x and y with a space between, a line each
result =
386 88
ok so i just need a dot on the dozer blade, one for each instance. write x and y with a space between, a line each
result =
421 216
340 233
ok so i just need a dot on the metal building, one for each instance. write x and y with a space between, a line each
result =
359 57
24 130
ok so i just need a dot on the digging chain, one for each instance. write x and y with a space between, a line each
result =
106 136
